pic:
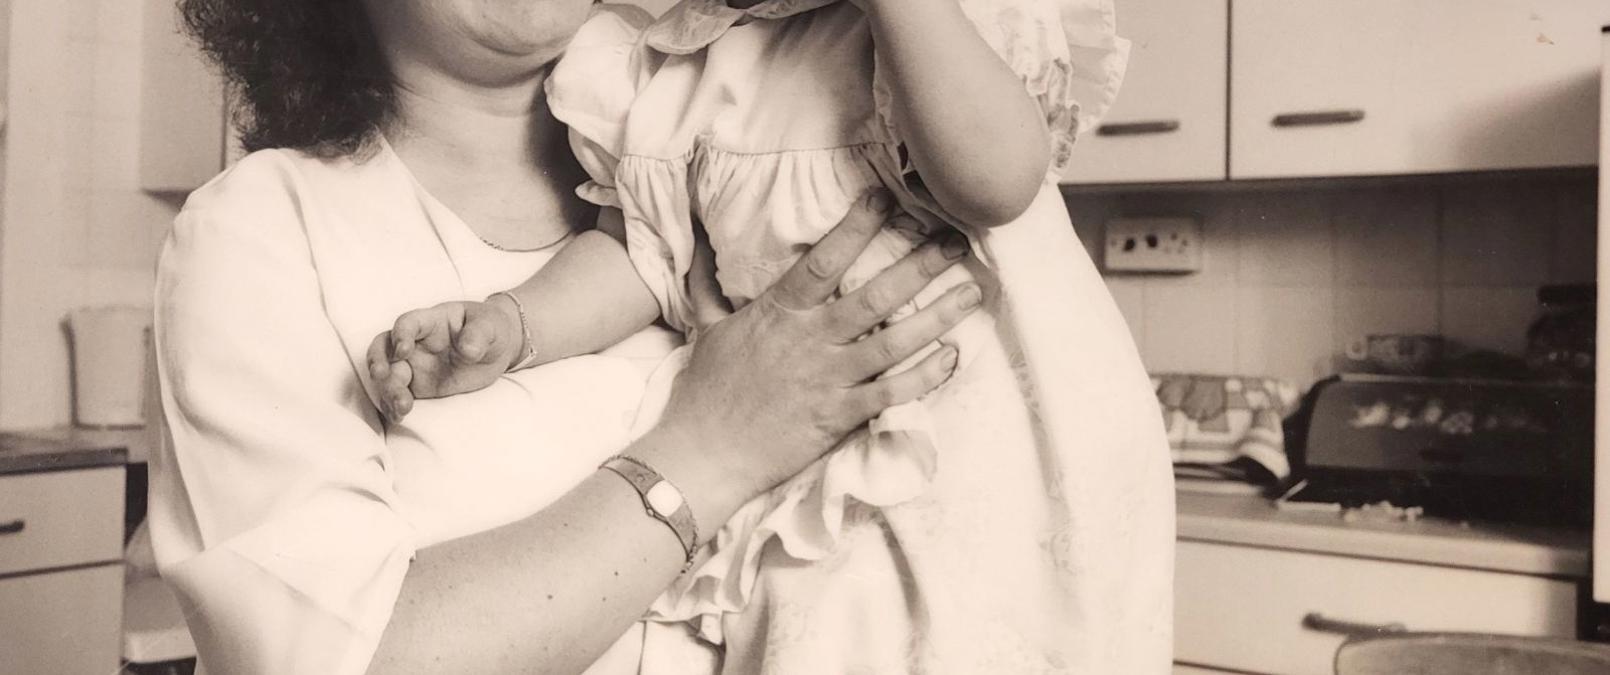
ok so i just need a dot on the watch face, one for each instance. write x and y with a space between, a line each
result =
664 498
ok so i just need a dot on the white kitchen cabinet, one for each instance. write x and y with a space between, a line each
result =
61 571
64 622
1371 87
1275 611
1169 121
184 130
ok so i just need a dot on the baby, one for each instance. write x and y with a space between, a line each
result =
1018 519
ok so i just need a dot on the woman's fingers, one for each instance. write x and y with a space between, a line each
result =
860 311
812 280
867 400
888 347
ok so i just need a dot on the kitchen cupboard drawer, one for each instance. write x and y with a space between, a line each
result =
1187 669
1351 87
1244 608
60 518
1168 123
62 622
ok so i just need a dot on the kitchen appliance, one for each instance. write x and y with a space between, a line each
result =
1396 354
109 365
1462 449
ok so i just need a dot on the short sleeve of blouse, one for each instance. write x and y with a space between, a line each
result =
1067 53
592 88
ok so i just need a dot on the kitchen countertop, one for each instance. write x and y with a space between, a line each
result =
1254 521
63 448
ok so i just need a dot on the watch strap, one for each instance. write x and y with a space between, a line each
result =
644 479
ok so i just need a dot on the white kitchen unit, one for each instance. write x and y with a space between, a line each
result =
61 571
1169 121
1374 87
1259 590
184 130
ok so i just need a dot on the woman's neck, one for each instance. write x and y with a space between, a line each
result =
494 155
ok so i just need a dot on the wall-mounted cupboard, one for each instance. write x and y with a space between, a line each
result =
185 137
1169 121
1356 87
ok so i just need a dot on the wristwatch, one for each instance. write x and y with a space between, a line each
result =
662 501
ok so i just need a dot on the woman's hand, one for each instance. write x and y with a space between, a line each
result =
783 380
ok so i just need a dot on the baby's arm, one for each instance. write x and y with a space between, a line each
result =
977 138
587 298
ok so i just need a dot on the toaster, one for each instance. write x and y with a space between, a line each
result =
1456 448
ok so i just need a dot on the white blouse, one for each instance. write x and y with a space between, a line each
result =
284 512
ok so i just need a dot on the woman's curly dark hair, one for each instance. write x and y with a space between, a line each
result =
309 72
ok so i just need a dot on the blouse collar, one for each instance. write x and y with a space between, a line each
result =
693 24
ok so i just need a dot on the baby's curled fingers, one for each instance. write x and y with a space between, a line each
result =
475 340
399 399
871 398
425 326
380 370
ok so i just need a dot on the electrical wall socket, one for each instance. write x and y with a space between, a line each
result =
1154 245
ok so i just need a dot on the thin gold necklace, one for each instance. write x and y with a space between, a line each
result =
499 247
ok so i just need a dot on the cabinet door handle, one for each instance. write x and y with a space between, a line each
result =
1138 128
1324 624
13 527
1318 118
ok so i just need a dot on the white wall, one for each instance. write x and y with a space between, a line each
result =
1292 274
75 229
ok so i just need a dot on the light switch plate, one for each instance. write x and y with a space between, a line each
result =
1172 245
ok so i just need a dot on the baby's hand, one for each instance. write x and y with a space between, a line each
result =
452 348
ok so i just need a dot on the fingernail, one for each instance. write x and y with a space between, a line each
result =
971 296
880 201
949 359
955 247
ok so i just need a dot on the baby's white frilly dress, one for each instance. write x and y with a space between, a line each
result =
1020 518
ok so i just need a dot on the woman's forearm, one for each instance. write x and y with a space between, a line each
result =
548 593
976 137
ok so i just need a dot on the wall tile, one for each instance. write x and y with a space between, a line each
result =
1308 270
1130 295
1496 234
1190 329
1576 237
1362 312
113 19
1285 240
1489 317
1284 332
1090 213
1386 237
1218 213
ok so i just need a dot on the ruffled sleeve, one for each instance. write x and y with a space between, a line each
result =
592 88
273 511
1067 53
